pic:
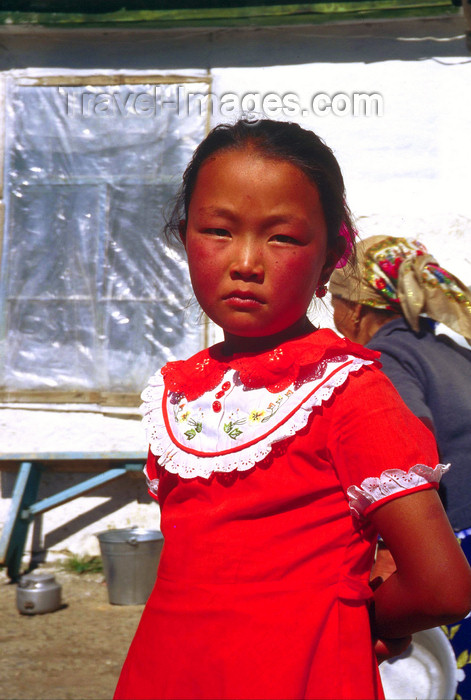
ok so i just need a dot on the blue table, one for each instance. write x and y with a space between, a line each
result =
24 506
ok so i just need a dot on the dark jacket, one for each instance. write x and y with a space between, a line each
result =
433 376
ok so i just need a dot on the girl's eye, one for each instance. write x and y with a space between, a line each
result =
217 231
282 238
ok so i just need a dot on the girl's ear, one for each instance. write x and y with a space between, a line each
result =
182 231
334 254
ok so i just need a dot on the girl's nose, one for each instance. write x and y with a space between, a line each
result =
247 264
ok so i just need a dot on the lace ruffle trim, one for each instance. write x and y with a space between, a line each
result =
188 466
391 482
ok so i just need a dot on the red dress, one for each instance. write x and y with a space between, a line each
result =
268 467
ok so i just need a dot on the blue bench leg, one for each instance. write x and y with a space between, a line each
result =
15 531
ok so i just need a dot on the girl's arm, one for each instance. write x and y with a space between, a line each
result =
432 583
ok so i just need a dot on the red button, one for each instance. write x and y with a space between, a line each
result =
220 394
226 386
216 406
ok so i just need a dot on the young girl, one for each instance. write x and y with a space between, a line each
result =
278 455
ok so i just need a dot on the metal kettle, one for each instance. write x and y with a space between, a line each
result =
38 593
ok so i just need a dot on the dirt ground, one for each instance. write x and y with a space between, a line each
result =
74 652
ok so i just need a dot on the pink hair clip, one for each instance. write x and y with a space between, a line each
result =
345 233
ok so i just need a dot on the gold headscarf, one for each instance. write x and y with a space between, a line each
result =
399 275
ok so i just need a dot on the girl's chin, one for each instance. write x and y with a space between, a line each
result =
244 327
251 333
269 336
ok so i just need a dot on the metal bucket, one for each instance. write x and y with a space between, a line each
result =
130 560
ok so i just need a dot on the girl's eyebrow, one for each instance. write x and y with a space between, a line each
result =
269 221
284 219
217 211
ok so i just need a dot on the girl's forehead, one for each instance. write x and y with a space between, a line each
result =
250 163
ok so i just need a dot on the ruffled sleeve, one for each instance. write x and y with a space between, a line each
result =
391 484
379 448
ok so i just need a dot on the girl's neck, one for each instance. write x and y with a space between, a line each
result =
234 344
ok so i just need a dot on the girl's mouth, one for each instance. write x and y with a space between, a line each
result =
243 300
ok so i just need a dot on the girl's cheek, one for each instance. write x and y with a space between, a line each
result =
205 256
298 267
205 267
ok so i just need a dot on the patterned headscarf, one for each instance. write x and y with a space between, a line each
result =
399 275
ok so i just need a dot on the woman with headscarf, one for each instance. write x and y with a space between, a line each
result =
391 300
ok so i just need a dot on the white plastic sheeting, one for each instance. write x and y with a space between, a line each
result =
91 297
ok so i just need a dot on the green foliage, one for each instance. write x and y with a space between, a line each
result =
83 564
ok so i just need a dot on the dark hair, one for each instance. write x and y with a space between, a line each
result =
282 141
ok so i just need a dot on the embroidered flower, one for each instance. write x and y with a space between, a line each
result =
256 416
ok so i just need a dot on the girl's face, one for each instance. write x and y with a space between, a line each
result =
256 243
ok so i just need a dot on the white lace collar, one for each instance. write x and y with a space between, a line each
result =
231 427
